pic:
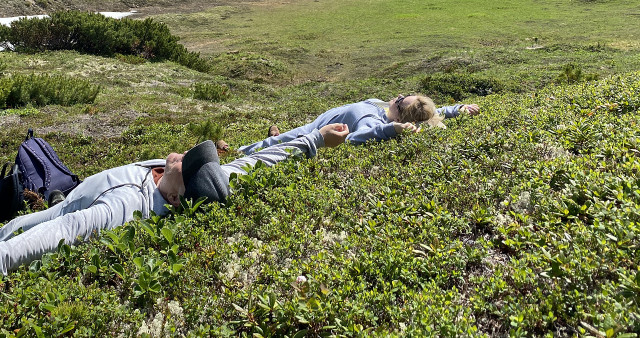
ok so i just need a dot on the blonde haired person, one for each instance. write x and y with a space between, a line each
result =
372 119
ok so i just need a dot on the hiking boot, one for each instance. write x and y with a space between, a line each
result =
55 197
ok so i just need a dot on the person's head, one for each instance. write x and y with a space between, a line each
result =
273 131
171 184
412 108
194 174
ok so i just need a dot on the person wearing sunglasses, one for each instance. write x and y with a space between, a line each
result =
372 119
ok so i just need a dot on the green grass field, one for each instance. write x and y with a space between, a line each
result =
357 39
522 221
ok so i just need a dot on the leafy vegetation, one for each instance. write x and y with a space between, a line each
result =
572 73
210 91
522 221
514 222
96 34
42 90
451 87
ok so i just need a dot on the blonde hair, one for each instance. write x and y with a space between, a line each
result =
420 110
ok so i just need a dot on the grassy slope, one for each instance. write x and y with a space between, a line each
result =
344 39
521 221
9 8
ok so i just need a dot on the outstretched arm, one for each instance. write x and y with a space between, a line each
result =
454 111
328 136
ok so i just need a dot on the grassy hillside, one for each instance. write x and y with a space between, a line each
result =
9 8
346 39
521 221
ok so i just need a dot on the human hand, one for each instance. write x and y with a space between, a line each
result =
222 145
334 134
472 109
400 127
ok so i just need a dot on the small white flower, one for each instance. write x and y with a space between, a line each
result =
157 325
301 279
144 329
175 309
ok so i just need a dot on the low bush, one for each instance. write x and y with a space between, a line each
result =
42 90
96 34
206 130
520 222
572 73
250 66
450 87
210 91
131 59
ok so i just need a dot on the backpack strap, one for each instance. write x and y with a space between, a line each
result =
29 134
47 174
4 169
49 152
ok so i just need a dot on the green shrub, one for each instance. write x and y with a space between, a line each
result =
207 130
5 89
520 222
4 33
572 73
42 90
458 86
210 91
251 66
96 34
131 59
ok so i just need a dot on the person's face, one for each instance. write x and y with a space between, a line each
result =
397 104
172 183
274 131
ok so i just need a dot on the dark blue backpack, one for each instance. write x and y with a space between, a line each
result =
42 170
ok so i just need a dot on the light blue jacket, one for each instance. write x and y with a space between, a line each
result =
108 199
367 120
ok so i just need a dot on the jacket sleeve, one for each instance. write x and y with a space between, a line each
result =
449 111
306 145
112 210
369 128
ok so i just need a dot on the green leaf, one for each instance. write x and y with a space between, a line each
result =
155 286
628 335
118 269
138 291
69 327
139 262
150 230
176 267
168 235
114 238
38 331
239 309
300 334
92 268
